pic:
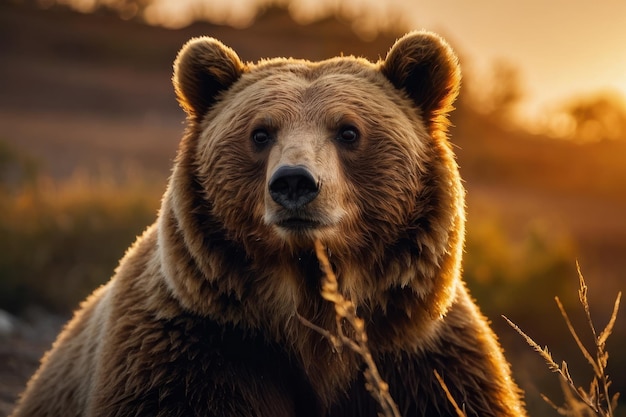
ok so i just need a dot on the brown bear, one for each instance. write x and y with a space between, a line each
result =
201 317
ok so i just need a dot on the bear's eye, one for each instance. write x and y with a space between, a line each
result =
260 137
348 135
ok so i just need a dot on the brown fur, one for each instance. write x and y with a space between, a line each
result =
200 317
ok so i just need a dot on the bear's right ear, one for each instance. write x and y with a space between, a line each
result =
203 68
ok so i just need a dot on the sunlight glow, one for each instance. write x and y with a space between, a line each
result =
368 17
83 6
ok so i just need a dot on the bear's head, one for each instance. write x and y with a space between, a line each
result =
283 152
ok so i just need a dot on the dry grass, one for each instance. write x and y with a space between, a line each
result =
581 402
60 240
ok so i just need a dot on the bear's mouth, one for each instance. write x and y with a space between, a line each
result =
298 223
292 223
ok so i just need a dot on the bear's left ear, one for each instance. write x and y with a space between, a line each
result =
425 67
203 68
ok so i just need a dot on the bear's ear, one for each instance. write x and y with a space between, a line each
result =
203 68
425 67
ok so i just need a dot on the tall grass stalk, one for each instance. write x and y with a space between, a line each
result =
345 312
442 383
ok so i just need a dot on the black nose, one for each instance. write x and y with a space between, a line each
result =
293 186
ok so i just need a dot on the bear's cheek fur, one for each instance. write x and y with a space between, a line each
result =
384 180
233 181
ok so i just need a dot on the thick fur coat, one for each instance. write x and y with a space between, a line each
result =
201 317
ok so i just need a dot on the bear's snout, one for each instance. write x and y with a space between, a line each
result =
293 186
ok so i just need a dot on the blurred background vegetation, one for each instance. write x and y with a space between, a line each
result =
89 126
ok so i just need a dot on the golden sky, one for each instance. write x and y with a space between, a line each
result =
562 47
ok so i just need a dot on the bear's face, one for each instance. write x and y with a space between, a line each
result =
283 152
305 159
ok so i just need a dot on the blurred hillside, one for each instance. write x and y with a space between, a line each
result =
88 131
110 81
